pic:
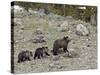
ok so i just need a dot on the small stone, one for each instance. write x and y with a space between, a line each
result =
73 42
59 67
88 45
51 65
16 41
22 27
33 63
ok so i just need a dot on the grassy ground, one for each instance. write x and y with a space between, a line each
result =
84 57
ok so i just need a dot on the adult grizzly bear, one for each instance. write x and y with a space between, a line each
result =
24 55
39 53
61 43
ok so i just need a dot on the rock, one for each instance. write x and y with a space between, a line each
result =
59 67
88 45
55 58
63 27
41 13
81 30
38 31
69 17
38 36
66 54
73 53
64 24
51 65
38 40
16 41
42 10
31 11
22 27
18 11
17 21
52 16
54 24
71 49
93 20
56 63
17 8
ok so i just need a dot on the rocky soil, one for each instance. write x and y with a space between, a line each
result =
33 30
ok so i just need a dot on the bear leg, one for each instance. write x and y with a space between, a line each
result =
35 56
42 55
55 52
65 50
47 54
38 56
23 59
28 58
20 60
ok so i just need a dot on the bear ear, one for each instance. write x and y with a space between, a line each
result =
26 51
66 37
43 47
31 52
46 47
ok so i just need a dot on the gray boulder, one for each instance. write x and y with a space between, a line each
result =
18 11
39 37
81 30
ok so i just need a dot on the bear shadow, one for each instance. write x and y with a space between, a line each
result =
72 54
60 51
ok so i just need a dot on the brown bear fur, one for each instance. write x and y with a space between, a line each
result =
40 52
24 55
61 43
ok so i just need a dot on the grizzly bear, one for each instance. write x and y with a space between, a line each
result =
61 43
24 55
39 53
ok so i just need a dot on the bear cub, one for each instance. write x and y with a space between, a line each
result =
39 53
24 55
